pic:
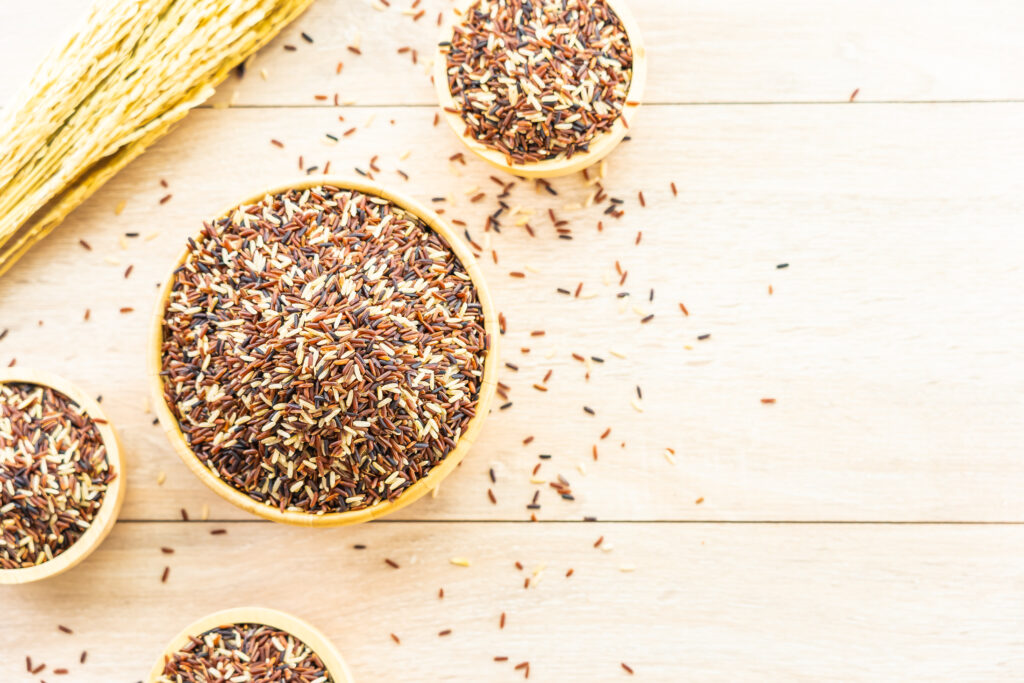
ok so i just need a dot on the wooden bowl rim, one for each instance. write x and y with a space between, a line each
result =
112 498
599 148
299 628
488 382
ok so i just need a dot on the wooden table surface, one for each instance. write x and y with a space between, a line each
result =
868 525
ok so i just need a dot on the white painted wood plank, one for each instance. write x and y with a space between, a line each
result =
700 51
705 602
891 341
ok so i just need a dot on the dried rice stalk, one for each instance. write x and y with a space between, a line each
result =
120 82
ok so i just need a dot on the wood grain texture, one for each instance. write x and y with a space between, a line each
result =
700 51
888 342
737 602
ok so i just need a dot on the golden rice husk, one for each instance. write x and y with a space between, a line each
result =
118 84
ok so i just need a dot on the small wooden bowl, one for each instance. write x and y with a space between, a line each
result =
112 498
600 147
488 382
333 662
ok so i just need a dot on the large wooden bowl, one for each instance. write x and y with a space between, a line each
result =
104 520
333 662
600 147
488 382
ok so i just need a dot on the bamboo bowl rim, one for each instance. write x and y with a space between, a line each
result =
312 637
488 382
600 147
106 517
